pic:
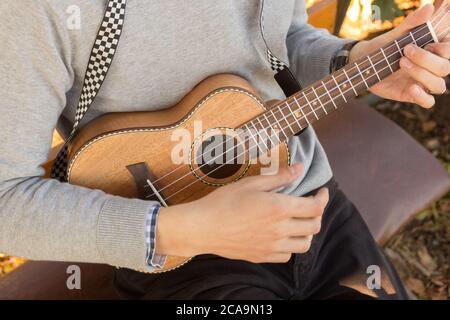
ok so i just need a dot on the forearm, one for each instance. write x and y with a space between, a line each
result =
310 49
47 220
39 218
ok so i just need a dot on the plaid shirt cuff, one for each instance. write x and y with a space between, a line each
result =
154 260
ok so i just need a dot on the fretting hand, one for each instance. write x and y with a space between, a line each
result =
421 73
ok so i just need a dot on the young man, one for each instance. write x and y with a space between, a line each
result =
307 242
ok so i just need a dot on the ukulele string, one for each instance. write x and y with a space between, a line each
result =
290 101
319 108
283 128
241 153
172 195
308 93
301 108
221 166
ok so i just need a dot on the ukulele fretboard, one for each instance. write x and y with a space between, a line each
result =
323 97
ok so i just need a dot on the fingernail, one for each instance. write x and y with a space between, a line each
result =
410 50
416 90
406 63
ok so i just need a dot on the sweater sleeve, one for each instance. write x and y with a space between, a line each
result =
310 49
44 219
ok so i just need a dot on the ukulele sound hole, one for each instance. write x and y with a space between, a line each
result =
220 156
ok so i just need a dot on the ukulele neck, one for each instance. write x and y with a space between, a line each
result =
304 108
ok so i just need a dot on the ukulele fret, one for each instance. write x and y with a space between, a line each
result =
350 81
301 110
279 125
293 114
261 137
309 104
373 67
287 121
387 61
398 48
339 88
412 38
362 76
318 99
328 92
272 129
252 136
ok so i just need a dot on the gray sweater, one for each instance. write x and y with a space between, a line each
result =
167 48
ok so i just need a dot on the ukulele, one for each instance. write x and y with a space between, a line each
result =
132 154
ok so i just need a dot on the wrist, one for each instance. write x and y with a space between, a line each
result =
357 51
178 232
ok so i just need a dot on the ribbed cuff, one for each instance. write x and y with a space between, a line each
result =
121 233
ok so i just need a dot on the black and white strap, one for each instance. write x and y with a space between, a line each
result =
282 74
100 60
275 63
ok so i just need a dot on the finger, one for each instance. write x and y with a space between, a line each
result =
420 97
296 227
427 79
277 258
322 197
441 49
427 60
294 245
302 207
285 176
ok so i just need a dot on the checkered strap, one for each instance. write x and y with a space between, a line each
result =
100 60
275 63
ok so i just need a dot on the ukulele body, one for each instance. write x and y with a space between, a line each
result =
102 152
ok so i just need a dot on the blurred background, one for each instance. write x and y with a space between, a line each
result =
421 249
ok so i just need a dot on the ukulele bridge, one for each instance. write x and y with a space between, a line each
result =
143 179
157 194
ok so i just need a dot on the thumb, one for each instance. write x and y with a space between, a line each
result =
285 176
415 19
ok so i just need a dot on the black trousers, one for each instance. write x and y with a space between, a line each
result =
344 262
